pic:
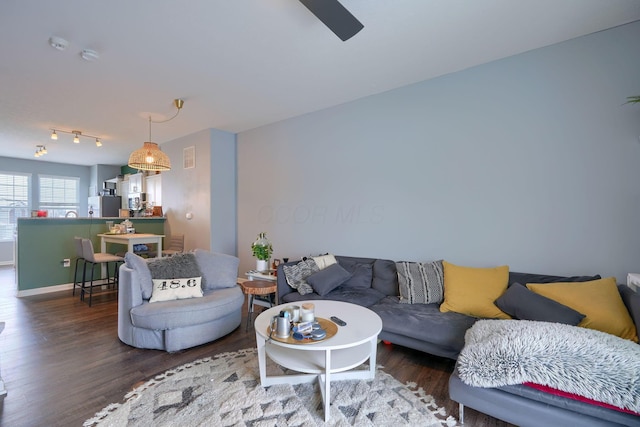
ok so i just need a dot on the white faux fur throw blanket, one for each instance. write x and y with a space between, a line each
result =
589 363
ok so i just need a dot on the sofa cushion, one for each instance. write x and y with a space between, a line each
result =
599 300
472 291
361 273
141 273
296 275
521 303
361 296
523 278
631 300
174 267
385 277
424 322
324 261
420 283
172 289
218 270
187 312
326 280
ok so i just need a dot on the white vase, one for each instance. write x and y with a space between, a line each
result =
262 265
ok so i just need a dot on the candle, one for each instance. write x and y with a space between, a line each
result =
307 312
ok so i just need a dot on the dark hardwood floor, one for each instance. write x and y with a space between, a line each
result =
62 361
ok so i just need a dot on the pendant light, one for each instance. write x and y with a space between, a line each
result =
150 157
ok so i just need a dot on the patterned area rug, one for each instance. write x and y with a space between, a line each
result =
225 390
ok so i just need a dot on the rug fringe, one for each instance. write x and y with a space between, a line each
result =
99 416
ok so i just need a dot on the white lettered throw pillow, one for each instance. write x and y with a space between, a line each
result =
170 289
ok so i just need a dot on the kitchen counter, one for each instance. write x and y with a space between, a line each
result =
44 243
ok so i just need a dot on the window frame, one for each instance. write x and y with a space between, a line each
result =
58 209
8 229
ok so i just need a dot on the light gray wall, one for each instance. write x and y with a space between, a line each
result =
530 161
207 192
99 174
188 191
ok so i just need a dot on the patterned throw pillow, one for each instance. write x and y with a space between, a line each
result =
296 275
420 282
170 289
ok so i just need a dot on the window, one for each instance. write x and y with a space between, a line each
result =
59 195
14 202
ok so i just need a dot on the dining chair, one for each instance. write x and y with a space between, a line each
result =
92 258
175 245
77 242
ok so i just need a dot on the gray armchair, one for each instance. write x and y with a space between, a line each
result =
182 323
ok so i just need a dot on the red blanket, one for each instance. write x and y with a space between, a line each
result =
579 398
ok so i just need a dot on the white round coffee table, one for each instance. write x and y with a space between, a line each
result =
331 359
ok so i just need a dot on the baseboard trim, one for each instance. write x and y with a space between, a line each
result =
45 290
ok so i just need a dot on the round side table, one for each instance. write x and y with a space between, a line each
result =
257 287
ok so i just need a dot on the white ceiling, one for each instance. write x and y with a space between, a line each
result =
240 64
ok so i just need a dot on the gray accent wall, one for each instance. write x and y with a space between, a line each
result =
530 161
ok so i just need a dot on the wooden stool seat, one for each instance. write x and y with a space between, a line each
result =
251 288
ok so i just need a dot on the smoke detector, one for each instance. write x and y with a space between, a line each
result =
89 55
58 43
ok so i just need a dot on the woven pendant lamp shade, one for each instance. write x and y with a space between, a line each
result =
149 158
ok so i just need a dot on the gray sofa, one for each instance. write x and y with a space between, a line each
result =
374 284
182 323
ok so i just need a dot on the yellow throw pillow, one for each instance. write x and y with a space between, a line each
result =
472 291
599 300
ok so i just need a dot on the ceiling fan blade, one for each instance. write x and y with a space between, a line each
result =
335 16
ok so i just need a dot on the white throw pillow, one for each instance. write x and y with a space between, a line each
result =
170 289
324 261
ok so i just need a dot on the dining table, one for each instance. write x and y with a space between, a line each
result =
130 240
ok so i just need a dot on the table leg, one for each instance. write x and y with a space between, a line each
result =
159 248
372 358
249 310
262 359
327 386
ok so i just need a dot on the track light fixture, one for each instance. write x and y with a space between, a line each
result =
76 136
41 150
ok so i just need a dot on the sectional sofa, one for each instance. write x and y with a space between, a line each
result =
373 283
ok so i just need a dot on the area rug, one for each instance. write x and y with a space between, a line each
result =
225 390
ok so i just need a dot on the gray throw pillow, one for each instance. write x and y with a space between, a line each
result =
361 275
420 282
218 270
141 269
178 266
524 304
326 280
296 275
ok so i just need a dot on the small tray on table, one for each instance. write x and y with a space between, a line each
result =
326 324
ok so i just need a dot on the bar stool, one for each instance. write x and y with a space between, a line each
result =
92 258
77 241
251 288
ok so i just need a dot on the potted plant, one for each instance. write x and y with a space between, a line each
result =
633 99
262 250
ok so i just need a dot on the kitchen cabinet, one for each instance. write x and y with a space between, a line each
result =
136 183
154 189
